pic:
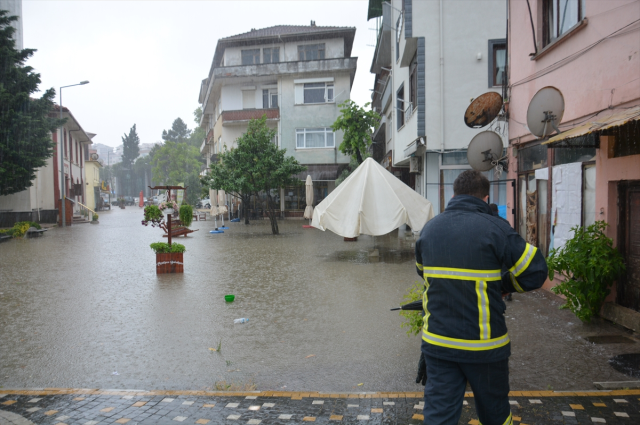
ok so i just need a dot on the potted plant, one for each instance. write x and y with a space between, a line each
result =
168 207
169 258
588 264
152 215
121 203
94 218
186 215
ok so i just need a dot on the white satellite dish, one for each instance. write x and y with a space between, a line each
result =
545 111
484 150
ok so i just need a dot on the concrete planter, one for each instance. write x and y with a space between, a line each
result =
169 263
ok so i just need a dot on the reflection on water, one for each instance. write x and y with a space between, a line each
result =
84 302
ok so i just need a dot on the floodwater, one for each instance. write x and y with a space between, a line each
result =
83 307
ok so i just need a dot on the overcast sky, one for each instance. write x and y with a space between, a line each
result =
145 59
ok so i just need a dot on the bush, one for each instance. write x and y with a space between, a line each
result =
588 264
413 317
164 248
95 217
186 215
153 215
20 228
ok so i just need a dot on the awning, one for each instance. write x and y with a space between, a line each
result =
598 124
375 9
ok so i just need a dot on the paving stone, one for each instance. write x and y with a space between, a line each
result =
233 417
180 418
35 400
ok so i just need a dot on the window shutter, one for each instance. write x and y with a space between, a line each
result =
299 88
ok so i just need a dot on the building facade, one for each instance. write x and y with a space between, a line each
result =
39 202
431 59
295 76
589 52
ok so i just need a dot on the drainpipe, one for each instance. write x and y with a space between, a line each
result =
441 82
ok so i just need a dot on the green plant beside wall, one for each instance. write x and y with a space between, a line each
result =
186 215
164 248
95 217
20 228
588 265
413 318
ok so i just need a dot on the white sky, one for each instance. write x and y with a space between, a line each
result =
145 59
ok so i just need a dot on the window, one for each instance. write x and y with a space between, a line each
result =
497 62
398 33
310 52
314 138
318 92
251 57
271 55
269 98
400 107
559 16
413 82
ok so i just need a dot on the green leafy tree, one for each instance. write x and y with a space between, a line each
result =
357 123
175 163
130 147
198 134
179 132
588 264
256 166
25 121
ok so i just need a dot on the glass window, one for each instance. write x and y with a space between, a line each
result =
543 215
532 158
499 64
250 57
318 92
271 55
400 106
528 208
569 155
308 52
455 158
559 17
314 138
269 98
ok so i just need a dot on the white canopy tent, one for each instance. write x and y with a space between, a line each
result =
371 201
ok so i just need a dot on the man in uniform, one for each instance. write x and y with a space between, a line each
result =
460 254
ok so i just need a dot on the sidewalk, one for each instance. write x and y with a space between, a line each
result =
92 407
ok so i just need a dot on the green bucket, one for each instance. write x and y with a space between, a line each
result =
229 298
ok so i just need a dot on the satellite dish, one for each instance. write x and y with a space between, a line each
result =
484 150
483 110
545 111
94 156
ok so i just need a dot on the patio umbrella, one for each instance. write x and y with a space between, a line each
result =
308 211
371 201
222 208
141 202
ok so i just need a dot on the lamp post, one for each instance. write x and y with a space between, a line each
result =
62 182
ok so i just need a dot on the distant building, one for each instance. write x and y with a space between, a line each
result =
145 148
15 9
296 76
105 153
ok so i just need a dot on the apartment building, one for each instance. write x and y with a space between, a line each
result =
296 76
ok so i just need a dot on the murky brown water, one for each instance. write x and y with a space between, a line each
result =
81 303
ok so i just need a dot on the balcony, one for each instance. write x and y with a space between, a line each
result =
244 115
382 55
213 158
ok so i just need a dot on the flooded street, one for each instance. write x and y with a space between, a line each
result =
83 307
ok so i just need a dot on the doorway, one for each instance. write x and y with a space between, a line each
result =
629 243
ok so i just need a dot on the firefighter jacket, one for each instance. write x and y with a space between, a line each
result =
461 254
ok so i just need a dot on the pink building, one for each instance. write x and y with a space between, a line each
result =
589 50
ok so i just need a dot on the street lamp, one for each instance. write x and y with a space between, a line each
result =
62 185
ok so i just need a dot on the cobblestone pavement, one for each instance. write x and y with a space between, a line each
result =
92 407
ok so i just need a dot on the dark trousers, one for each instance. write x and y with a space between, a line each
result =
446 383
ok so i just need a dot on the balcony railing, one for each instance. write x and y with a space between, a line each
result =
249 114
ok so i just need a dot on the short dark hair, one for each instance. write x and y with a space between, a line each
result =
494 208
471 182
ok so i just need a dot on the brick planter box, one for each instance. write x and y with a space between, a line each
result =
169 263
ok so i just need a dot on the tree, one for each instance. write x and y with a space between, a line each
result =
130 147
25 124
255 166
179 132
174 163
357 124
198 134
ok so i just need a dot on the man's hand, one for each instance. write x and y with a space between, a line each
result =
422 371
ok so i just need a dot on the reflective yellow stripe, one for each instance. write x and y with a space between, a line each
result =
419 266
483 310
425 301
515 283
465 344
524 261
463 274
509 420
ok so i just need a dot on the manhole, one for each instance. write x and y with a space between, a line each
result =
629 364
609 339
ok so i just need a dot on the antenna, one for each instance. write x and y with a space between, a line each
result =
545 112
483 110
484 151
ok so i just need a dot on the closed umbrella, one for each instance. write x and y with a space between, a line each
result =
371 201
308 211
222 208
